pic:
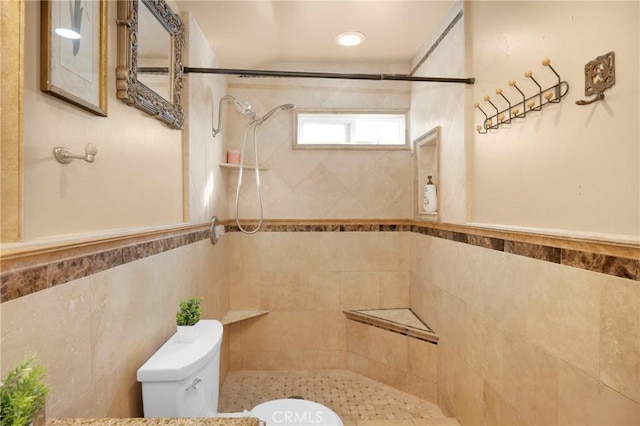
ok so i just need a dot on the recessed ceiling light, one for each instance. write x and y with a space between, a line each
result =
350 38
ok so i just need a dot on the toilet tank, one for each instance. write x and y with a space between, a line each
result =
182 379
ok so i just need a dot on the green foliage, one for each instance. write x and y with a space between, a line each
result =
189 311
22 393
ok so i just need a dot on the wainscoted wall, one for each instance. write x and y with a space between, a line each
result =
526 340
93 333
533 329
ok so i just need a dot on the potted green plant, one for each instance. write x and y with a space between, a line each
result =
23 393
187 318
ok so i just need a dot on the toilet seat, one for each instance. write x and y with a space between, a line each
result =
295 412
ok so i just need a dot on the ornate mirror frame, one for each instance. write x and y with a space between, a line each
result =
128 88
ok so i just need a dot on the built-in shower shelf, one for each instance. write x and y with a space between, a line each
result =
245 167
233 317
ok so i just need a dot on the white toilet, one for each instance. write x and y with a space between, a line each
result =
182 380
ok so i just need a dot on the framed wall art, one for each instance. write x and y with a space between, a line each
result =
73 52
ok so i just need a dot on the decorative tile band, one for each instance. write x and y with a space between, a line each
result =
23 275
19 282
610 265
617 266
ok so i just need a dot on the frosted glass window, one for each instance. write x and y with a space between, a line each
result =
349 129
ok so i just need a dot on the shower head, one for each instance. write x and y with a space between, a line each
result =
285 107
243 107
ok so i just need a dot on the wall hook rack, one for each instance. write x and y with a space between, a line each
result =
524 104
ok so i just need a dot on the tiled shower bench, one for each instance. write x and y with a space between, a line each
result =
395 347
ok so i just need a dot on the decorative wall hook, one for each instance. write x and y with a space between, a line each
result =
599 75
64 156
520 108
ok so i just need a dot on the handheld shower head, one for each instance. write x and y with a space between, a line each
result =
285 107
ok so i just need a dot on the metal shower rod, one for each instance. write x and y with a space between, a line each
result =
300 74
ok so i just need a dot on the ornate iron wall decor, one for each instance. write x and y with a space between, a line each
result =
550 95
599 75
128 88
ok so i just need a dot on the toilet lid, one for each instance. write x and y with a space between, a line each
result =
295 412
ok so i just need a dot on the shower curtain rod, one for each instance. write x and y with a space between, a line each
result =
299 74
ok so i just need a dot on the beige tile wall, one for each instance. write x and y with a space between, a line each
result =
93 334
443 105
525 341
406 363
306 280
321 184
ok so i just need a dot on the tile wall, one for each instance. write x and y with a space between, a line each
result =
443 105
320 184
93 333
525 341
524 336
404 362
306 280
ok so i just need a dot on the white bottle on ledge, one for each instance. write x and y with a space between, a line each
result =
430 198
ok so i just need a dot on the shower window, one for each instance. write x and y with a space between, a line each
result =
349 129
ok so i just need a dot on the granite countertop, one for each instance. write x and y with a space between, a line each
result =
218 421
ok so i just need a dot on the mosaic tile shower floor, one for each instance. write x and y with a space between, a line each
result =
358 400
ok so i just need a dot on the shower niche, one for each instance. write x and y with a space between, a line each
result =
426 170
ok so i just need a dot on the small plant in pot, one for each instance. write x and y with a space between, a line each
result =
23 393
187 317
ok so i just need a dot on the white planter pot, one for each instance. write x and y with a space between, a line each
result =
187 333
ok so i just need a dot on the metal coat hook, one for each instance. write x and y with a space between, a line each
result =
520 108
64 156
599 75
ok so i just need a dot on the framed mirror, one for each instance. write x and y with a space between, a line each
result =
149 75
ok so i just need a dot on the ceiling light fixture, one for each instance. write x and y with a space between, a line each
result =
350 38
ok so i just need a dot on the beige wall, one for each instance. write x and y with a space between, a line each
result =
524 341
306 280
206 188
404 362
93 334
568 168
136 179
145 173
443 104
528 342
509 350
321 184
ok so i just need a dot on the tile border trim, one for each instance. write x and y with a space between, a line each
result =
34 270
